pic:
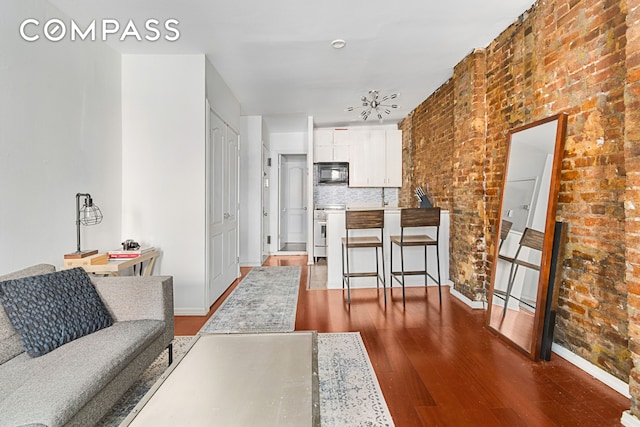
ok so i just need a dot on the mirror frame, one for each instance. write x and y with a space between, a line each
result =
545 263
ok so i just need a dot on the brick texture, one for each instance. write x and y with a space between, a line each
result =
581 57
632 194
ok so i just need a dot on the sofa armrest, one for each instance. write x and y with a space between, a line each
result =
138 297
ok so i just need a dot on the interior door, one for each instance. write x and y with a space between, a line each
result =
266 240
296 198
223 207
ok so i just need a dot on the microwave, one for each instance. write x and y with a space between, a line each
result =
333 173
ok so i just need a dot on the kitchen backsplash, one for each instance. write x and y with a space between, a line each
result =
342 194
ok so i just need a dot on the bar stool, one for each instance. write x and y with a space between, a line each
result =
532 239
504 232
358 220
417 217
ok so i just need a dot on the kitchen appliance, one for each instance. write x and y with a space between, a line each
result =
333 173
320 229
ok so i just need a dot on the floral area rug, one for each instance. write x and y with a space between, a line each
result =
349 391
264 301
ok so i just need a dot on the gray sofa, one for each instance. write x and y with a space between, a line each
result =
76 384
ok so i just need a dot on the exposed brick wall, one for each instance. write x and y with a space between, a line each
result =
560 56
632 196
467 241
428 149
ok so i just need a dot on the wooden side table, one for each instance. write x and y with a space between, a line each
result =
114 266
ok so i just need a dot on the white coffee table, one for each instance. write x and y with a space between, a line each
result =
237 380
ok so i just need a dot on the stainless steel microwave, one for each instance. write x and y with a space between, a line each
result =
333 173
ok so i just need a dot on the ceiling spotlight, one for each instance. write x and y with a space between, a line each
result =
338 44
373 104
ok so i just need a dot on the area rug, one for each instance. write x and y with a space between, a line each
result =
350 394
349 391
264 301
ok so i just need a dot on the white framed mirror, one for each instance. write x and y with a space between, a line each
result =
525 232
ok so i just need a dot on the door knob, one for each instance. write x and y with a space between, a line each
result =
227 215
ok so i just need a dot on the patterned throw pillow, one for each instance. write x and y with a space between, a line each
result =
53 309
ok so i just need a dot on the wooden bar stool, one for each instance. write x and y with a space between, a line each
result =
532 239
358 220
417 217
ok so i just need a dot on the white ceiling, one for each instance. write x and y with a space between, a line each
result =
276 55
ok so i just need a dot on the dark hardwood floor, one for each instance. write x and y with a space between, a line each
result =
439 366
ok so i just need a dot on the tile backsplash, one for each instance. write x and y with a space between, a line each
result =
343 194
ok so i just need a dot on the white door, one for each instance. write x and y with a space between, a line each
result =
293 201
223 207
266 240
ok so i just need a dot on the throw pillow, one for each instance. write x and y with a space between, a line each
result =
53 309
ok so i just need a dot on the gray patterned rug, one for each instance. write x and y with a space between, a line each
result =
350 394
264 301
349 391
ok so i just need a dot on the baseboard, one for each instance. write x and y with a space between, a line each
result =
190 312
629 420
476 305
250 264
591 369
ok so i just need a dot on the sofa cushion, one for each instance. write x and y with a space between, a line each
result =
10 343
52 309
51 389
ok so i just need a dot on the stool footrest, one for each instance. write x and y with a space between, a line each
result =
372 274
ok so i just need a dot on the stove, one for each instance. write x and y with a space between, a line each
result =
320 229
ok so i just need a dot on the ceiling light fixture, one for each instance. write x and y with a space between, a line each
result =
338 44
374 104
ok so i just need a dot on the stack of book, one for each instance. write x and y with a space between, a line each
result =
121 254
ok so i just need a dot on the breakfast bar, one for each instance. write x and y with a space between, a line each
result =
361 261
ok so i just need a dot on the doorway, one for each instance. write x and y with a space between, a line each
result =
292 212
266 234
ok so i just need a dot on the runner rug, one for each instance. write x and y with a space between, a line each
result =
264 301
349 391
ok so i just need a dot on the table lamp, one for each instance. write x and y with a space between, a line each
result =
87 214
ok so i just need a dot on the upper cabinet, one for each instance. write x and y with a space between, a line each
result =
376 158
330 145
374 155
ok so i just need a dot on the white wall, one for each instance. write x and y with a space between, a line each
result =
251 190
222 100
60 134
163 160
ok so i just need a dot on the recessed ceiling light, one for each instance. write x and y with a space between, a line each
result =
338 44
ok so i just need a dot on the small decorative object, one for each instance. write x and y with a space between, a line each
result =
374 104
130 245
87 214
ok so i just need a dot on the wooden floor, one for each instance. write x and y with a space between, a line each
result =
439 366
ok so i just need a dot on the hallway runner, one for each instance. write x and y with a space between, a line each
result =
264 301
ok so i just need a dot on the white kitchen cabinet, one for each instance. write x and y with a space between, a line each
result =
376 158
330 145
393 164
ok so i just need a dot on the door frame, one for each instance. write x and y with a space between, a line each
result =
276 177
284 162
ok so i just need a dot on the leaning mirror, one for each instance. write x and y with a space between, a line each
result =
525 231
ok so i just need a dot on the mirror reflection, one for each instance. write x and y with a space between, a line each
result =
515 305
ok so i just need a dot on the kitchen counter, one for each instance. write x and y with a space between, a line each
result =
364 260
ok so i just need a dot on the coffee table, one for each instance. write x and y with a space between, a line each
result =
237 380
